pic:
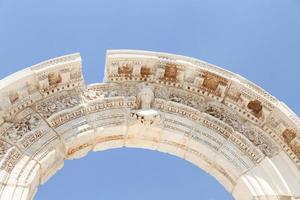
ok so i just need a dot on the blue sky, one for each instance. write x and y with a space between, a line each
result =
259 39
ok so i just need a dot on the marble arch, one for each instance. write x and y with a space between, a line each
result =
241 135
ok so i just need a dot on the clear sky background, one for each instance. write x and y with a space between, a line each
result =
258 39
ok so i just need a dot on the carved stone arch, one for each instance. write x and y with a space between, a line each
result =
244 137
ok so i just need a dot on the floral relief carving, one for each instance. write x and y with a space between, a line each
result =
238 125
48 108
194 103
180 97
20 128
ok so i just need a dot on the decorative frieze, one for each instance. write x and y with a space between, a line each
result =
56 104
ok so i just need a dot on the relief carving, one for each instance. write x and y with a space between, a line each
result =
256 108
180 96
125 70
69 102
145 71
161 95
255 137
145 97
260 141
288 135
20 128
54 78
171 72
54 105
212 82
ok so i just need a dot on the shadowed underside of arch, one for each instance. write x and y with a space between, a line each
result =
244 137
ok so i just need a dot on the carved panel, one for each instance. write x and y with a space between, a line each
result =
288 135
19 128
212 82
57 103
146 71
256 107
125 70
258 139
54 78
171 71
